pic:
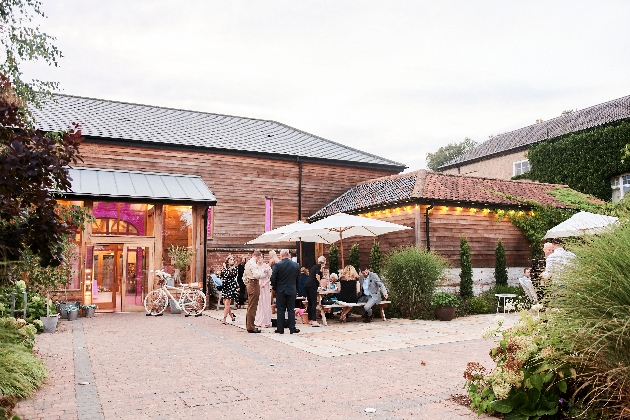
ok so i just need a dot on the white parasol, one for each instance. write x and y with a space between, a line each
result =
582 223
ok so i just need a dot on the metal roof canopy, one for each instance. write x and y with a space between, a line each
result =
110 184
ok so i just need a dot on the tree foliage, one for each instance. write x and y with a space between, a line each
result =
333 259
375 258
585 161
23 42
500 265
33 166
449 152
466 275
354 259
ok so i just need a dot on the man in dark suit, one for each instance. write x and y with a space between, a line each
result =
285 280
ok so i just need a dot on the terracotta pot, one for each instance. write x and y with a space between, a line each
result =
445 313
305 318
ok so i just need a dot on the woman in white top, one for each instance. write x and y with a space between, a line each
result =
263 312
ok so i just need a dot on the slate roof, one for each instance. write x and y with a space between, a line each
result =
583 119
434 187
116 184
142 123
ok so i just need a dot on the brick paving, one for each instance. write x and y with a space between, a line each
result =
172 367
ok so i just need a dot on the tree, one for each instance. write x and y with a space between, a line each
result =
23 42
375 258
333 259
354 259
466 275
500 265
449 152
33 167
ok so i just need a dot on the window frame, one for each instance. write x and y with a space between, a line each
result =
520 165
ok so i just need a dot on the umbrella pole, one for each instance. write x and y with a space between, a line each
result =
341 240
300 252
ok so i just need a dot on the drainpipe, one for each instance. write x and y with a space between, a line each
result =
299 189
426 225
205 250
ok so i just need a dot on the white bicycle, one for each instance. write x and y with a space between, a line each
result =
191 301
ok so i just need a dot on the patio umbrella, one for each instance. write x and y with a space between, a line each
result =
273 235
582 223
341 225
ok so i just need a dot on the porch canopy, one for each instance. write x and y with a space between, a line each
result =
110 184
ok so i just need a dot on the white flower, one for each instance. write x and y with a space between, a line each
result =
36 298
499 319
20 285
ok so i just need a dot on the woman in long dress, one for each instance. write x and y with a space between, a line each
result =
230 286
263 312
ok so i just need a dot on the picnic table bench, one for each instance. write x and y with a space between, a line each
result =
381 306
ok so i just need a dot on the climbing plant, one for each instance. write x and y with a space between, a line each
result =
585 161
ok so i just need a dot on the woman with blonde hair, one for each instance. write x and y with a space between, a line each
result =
349 289
263 312
230 286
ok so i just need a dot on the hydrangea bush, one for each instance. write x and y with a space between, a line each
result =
529 379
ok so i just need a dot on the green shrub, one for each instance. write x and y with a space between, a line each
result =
333 259
478 305
500 265
444 299
354 259
375 258
411 275
466 276
593 318
21 373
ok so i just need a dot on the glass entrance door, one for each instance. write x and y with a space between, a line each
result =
107 276
137 265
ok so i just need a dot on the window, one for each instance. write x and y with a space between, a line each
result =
620 186
268 214
521 167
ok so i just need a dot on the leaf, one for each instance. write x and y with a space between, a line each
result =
562 386
536 381
502 406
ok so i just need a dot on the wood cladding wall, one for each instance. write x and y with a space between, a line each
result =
483 230
240 183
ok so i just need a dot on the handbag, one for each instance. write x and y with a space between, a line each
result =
327 301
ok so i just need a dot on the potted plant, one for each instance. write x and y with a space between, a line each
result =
88 310
445 304
181 257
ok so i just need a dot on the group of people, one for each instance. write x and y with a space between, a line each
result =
284 276
353 288
259 277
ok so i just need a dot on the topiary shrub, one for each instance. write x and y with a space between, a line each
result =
500 265
411 275
466 276
354 259
333 259
375 258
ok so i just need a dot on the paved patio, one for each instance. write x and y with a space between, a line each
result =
129 366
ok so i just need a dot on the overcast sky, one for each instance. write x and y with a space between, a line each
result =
395 78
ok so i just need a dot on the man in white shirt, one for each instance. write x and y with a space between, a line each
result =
557 258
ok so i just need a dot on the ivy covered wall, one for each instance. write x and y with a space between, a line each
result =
584 161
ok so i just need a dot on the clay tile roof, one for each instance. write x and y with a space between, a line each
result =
605 113
425 187
109 120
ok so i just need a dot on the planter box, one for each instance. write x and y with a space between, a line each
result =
50 323
445 313
73 315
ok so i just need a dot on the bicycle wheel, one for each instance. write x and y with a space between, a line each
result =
193 302
155 302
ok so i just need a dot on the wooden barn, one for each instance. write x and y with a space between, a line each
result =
259 175
440 208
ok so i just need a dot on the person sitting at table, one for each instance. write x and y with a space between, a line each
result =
372 286
349 289
303 278
314 277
